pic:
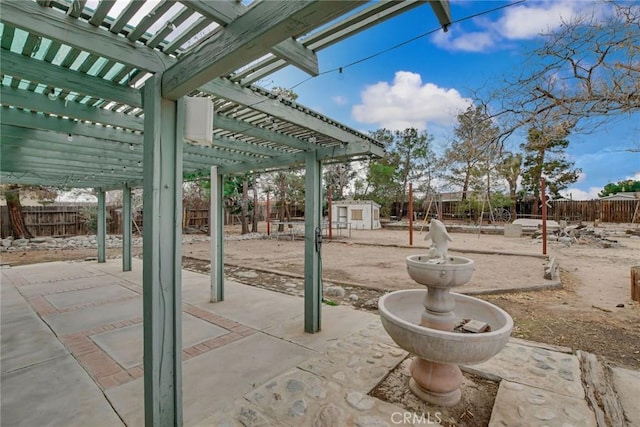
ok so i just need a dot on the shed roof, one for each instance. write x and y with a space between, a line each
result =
72 71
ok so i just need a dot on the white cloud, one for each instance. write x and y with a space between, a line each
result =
340 100
635 177
528 21
407 102
465 42
516 23
577 194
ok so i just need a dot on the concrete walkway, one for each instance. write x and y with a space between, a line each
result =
72 356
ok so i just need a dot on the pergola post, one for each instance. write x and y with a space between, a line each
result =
217 236
101 225
312 243
163 147
126 228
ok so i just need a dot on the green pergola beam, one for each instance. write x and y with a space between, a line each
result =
31 101
126 228
24 67
162 269
238 126
101 225
226 89
26 119
216 223
54 25
339 152
248 37
312 244
374 14
290 50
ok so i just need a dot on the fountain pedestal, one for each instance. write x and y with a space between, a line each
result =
423 321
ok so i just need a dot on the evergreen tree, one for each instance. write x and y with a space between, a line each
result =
544 156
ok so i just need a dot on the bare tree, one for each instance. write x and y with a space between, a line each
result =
584 73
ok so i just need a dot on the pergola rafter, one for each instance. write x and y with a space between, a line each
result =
92 95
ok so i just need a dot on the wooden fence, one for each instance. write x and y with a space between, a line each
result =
614 211
77 220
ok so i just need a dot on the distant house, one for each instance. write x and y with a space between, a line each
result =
628 195
359 214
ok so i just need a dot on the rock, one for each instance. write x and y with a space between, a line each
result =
359 401
354 297
21 242
372 303
298 408
294 385
250 418
566 240
335 291
620 305
6 242
329 415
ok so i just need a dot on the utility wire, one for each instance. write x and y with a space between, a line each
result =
411 40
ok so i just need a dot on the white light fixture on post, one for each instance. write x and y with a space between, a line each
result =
198 120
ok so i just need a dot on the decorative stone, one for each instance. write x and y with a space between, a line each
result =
359 401
328 416
294 385
334 291
298 408
250 418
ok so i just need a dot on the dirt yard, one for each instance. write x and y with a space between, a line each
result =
593 311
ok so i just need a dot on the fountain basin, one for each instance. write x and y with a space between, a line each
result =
456 272
400 313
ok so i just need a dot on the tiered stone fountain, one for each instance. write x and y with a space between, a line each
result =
430 323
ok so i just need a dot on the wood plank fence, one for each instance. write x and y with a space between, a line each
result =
73 220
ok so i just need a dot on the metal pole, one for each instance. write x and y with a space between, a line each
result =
330 202
543 196
410 214
268 216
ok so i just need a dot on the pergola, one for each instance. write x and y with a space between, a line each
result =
93 95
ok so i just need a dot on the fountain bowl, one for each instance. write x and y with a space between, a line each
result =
400 312
455 272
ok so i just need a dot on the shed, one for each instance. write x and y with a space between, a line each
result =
358 214
627 195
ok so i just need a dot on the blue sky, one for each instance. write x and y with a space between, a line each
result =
427 82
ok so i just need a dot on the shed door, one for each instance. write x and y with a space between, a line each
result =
342 215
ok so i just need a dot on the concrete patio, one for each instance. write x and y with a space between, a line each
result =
72 356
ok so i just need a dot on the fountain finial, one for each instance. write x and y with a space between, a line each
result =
440 238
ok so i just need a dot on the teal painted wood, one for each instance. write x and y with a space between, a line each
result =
15 117
104 138
26 99
339 152
81 35
164 121
237 126
101 225
216 223
17 65
312 260
372 14
126 228
247 38
245 96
